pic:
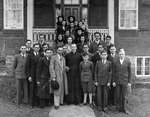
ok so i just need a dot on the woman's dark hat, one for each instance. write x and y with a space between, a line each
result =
54 85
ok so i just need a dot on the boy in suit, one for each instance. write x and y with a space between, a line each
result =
20 75
102 81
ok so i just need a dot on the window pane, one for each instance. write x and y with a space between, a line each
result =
75 1
71 1
58 1
128 4
128 18
13 14
147 66
84 1
139 66
84 13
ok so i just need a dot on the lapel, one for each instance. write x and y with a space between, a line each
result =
59 62
47 62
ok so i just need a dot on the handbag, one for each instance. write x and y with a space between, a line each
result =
54 84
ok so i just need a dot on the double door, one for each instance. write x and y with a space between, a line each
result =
72 11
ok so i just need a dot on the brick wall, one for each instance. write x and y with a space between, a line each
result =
10 41
136 42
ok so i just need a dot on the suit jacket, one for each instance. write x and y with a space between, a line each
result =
43 69
86 71
58 71
95 58
122 72
43 77
19 66
31 65
94 46
112 60
103 72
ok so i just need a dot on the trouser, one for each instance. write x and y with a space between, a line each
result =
33 98
120 96
111 95
58 100
22 91
102 96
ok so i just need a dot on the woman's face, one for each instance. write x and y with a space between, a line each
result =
60 19
69 40
67 33
80 24
71 19
63 23
59 37
79 32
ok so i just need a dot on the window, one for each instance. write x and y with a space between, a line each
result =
13 14
142 66
84 1
71 2
128 14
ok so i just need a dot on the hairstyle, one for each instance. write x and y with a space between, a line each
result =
104 51
36 44
84 54
49 49
108 37
28 40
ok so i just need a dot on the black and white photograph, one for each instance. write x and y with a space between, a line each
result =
74 58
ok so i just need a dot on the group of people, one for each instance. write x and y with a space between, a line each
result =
87 73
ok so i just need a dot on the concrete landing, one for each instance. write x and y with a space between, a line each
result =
72 111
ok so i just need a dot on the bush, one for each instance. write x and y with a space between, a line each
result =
8 89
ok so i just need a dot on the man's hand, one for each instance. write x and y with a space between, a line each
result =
96 83
114 84
38 83
30 79
108 84
53 79
129 84
67 68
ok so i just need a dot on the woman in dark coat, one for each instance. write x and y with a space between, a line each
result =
73 60
43 77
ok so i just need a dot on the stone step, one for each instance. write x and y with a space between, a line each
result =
72 111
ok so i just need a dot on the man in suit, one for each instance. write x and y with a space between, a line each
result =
58 72
97 55
112 57
43 77
94 45
102 81
122 78
31 67
20 75
28 46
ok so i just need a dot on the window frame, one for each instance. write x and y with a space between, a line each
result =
4 18
142 66
137 17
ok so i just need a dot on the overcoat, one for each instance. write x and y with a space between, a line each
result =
58 71
43 77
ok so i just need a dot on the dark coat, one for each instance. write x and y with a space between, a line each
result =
95 58
86 70
31 65
94 46
103 72
122 72
74 83
43 77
